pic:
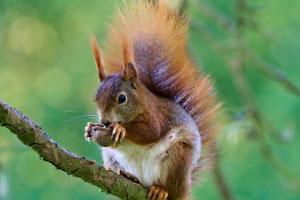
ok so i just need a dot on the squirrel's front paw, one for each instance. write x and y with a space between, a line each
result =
118 133
92 131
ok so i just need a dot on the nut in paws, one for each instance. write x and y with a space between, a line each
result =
92 130
98 133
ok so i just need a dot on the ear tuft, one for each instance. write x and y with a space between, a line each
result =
127 52
98 58
130 73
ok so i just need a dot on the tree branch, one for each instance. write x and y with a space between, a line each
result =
33 136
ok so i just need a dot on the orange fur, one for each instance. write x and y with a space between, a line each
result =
98 58
168 71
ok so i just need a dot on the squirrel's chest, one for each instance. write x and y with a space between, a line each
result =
144 162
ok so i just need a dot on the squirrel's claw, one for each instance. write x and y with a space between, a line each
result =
157 193
118 133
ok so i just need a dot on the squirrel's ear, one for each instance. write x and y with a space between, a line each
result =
130 73
98 58
129 69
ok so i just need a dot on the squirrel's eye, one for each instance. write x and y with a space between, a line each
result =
122 99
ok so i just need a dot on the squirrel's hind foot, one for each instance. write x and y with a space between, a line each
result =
157 193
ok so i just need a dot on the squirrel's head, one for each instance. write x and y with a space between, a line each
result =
117 97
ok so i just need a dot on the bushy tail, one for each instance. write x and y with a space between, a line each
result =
159 39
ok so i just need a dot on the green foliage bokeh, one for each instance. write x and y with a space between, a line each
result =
47 72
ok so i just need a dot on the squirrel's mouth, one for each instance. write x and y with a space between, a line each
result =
106 123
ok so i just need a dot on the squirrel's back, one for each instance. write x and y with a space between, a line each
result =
158 36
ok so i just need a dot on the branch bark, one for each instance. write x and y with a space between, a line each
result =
33 136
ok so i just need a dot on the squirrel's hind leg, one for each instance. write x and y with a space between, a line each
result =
176 169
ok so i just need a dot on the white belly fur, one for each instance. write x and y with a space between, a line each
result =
144 162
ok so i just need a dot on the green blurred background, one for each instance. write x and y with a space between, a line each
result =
47 71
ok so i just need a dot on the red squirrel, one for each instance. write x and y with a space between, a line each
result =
161 110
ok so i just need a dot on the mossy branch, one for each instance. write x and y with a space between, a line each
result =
33 136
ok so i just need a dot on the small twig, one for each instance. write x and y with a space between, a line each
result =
274 73
222 20
33 136
247 96
182 6
248 99
222 185
237 67
207 36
